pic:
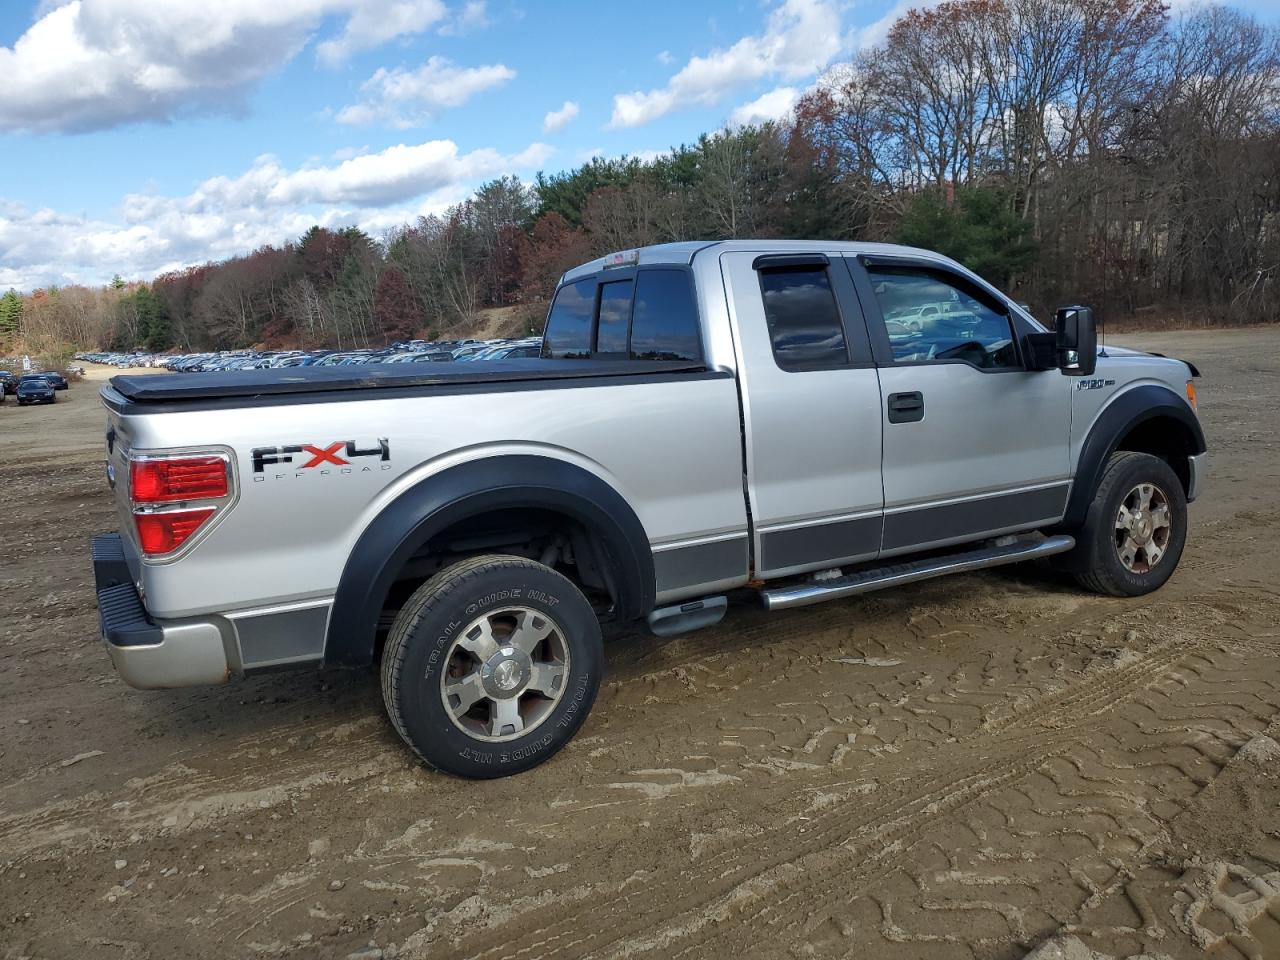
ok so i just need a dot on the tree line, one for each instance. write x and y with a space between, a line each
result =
1085 150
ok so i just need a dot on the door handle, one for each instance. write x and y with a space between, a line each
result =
906 407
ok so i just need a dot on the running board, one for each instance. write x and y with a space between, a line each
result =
803 594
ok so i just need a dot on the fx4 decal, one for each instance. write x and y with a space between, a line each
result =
310 456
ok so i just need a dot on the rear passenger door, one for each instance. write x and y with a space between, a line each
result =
975 444
811 411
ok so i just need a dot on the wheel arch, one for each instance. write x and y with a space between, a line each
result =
1146 419
468 491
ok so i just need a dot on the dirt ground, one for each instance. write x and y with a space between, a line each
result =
970 767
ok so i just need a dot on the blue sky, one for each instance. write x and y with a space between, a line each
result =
141 135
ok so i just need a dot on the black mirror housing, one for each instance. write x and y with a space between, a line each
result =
1076 341
1040 351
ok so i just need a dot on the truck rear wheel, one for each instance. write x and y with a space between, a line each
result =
1135 529
492 666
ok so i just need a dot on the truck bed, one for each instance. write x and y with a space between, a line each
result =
245 386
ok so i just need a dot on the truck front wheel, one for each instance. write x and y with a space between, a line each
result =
1135 529
492 666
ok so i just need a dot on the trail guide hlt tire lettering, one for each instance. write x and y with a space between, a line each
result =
491 666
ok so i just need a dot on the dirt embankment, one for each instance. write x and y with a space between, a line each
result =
965 768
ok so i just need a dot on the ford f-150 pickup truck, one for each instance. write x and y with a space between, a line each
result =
703 418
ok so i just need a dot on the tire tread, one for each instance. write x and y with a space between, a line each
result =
397 645
1087 564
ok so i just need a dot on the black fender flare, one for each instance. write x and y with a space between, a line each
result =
468 490
1129 410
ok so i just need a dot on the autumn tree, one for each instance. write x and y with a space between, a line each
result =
551 247
395 310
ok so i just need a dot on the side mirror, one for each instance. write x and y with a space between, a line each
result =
1077 341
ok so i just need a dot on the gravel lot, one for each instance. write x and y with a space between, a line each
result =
966 768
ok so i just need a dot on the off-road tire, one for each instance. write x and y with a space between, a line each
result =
417 654
1096 560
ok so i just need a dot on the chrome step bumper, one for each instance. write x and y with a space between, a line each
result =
147 653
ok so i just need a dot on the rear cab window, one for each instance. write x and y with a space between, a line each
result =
569 324
614 317
650 315
664 323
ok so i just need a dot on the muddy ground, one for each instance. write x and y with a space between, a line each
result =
965 768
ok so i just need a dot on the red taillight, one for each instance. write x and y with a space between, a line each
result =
182 478
164 532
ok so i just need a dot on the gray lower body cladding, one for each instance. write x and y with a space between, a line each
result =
197 651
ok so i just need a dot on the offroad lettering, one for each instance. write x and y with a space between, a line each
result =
337 453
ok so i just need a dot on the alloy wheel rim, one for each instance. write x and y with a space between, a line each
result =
505 674
1144 525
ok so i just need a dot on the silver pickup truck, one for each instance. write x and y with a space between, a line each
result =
803 420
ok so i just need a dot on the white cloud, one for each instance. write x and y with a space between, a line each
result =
665 58
226 216
799 39
347 153
409 98
875 33
773 105
374 22
474 15
648 156
95 64
557 120
378 179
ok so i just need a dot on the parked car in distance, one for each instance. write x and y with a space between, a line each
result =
56 380
401 352
8 381
34 388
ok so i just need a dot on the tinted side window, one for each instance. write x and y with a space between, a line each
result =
615 312
804 324
664 325
568 333
931 318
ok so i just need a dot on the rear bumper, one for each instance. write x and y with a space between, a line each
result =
1196 467
147 653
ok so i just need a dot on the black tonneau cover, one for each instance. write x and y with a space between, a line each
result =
168 388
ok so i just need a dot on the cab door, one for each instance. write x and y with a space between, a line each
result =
810 408
975 444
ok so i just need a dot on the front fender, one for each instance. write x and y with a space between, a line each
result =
1127 410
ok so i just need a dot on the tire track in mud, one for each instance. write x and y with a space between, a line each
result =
778 869
256 765
801 902
258 761
180 797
